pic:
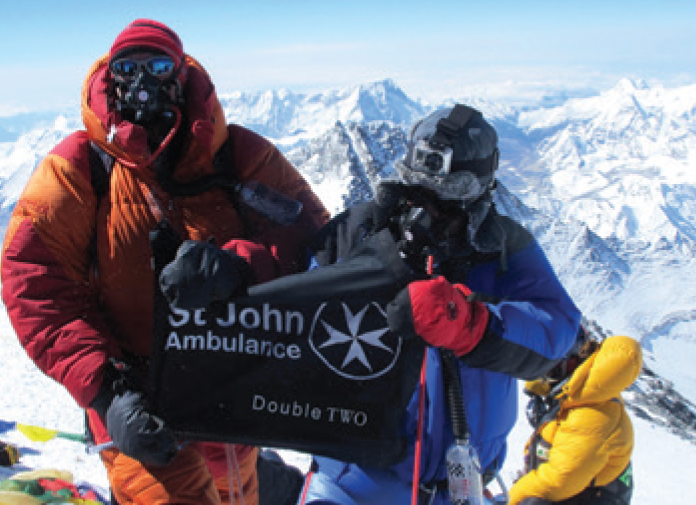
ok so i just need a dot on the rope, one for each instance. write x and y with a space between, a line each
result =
419 437
233 464
421 416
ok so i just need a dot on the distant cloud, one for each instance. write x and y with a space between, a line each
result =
306 49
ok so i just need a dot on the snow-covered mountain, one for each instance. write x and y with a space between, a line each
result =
290 119
622 164
603 181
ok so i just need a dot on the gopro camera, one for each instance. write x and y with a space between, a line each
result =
429 160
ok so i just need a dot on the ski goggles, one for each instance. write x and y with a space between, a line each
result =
160 66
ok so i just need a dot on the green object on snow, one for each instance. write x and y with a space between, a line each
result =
31 487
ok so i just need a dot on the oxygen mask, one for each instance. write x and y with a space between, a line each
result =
146 88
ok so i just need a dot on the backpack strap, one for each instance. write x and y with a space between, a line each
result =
537 445
223 162
101 164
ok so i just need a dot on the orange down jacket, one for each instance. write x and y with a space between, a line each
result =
71 317
590 441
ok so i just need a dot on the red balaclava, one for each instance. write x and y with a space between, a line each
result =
150 34
155 36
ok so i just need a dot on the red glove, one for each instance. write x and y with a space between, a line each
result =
440 313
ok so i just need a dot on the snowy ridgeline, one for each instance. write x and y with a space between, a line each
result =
655 400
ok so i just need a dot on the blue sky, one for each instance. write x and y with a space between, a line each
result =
450 48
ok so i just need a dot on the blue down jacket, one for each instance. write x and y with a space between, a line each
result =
533 324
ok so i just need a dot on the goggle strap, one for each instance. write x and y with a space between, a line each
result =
177 68
479 167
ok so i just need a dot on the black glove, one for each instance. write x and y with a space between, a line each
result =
202 273
134 430
390 196
137 433
279 483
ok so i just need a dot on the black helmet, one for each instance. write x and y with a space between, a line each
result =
452 152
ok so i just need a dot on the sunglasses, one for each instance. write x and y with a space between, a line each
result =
158 66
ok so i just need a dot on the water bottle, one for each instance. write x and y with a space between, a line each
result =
270 203
464 475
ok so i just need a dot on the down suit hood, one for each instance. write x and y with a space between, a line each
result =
126 141
589 440
605 374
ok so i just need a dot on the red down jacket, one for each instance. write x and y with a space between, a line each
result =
70 321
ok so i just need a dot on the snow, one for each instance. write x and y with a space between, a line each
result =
29 397
662 462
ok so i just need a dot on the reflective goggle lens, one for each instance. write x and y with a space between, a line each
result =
158 66
125 68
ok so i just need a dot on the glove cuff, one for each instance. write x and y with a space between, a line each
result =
476 323
104 397
237 267
115 380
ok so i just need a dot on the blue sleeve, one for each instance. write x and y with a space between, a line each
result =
533 325
312 262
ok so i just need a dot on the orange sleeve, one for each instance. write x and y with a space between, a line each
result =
45 269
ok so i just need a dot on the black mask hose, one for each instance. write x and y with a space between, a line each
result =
454 394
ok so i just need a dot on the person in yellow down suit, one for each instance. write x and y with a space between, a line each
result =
580 451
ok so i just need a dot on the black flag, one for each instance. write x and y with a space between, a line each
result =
304 362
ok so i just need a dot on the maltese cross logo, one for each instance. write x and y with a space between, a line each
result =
356 345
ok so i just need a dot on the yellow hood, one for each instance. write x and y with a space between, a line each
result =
604 375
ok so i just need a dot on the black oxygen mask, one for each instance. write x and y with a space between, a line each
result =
142 100
146 86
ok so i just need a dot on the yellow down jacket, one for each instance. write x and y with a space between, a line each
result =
590 441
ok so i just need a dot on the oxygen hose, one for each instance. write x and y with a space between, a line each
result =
421 414
167 139
455 398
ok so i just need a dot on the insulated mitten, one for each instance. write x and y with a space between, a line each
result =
138 433
135 431
279 483
389 196
440 314
203 273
